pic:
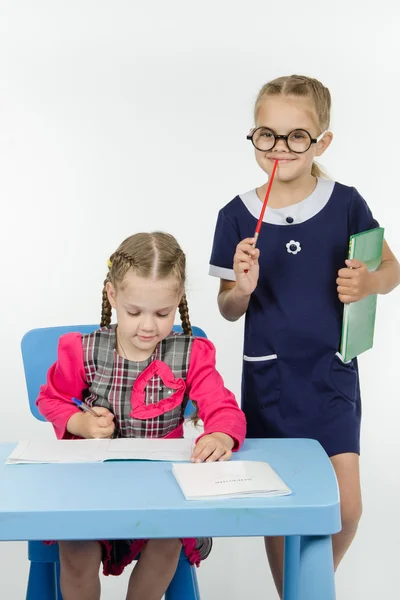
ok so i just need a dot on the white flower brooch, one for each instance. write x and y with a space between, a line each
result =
293 247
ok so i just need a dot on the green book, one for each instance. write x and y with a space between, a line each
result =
359 317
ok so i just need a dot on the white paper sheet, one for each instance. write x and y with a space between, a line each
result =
235 479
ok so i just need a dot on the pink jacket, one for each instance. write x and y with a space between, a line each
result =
217 406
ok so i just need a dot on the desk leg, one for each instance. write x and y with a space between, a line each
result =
291 568
316 576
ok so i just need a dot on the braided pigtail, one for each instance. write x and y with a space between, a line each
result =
106 310
118 265
187 329
184 313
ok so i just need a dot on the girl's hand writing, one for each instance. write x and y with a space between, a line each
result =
353 282
85 425
212 447
245 266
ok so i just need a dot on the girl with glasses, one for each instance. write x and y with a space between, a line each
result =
292 287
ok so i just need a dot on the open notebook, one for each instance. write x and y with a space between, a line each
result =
359 317
89 451
235 479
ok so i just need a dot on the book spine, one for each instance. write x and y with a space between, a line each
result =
351 248
345 321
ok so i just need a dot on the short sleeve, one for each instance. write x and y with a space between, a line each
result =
226 238
360 215
65 381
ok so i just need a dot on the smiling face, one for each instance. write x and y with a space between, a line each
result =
146 308
284 114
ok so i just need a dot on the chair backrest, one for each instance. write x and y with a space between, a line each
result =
39 352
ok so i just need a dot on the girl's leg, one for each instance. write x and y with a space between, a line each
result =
274 547
79 570
154 570
348 475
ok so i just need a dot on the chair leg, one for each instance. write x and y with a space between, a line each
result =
58 589
184 585
41 582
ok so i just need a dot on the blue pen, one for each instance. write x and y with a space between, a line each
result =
85 407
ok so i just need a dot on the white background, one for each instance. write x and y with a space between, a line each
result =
117 117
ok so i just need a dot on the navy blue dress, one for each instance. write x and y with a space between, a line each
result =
294 381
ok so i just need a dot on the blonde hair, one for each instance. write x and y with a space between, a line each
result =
306 87
155 254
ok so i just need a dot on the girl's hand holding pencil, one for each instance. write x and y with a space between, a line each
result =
245 266
253 241
97 423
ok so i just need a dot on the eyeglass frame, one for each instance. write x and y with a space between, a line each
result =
285 138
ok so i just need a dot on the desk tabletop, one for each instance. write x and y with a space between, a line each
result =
142 499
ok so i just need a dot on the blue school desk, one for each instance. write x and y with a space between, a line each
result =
142 500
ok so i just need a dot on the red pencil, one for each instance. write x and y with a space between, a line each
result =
264 206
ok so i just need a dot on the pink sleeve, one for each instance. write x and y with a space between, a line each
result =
65 380
218 408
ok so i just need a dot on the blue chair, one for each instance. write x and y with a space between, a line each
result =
39 352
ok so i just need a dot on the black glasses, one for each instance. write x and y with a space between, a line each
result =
298 140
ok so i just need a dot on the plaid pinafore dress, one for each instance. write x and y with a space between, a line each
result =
148 399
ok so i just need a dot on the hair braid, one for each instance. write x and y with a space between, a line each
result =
187 329
124 257
184 313
118 261
106 310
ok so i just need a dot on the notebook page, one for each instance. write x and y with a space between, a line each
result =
150 449
59 451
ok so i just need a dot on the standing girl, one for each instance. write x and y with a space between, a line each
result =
139 375
291 289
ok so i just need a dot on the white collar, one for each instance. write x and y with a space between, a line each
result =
296 213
